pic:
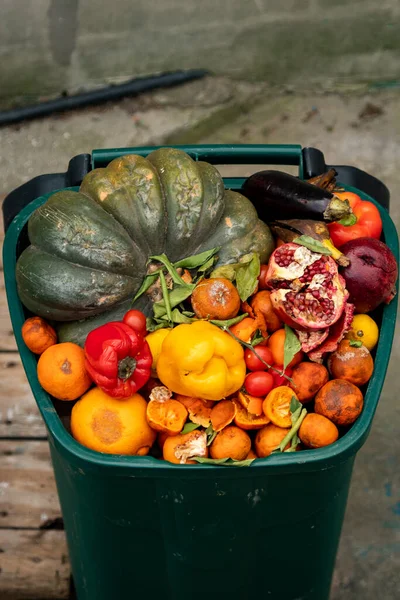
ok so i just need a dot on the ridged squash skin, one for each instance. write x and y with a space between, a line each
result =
89 249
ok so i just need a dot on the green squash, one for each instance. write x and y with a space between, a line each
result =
89 249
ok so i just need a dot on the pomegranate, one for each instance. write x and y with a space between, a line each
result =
372 274
307 290
312 339
335 336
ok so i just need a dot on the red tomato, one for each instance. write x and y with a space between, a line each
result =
262 277
253 363
279 379
136 320
258 383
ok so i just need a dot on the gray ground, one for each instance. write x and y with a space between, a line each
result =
354 127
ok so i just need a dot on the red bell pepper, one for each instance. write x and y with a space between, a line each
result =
118 359
368 224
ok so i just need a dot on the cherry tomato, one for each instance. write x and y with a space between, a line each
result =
279 379
136 320
262 278
253 363
259 383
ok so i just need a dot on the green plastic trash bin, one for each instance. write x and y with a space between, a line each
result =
142 528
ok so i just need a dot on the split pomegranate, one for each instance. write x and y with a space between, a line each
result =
307 290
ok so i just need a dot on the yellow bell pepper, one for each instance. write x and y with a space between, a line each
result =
201 360
155 341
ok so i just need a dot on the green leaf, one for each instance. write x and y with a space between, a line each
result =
348 220
312 244
211 435
291 346
228 322
247 276
295 405
146 283
211 438
225 462
197 260
154 325
180 317
355 343
176 296
226 272
257 338
188 427
163 259
207 265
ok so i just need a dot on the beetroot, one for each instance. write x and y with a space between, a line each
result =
372 274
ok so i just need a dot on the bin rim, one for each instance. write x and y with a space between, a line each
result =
310 460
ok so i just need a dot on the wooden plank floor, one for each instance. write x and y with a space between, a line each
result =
33 552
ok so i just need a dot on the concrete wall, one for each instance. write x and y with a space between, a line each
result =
47 46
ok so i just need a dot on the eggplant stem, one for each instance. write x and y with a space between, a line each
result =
337 209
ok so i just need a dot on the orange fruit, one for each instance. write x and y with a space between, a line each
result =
251 454
252 404
245 329
111 425
276 406
317 431
339 401
308 378
268 439
222 414
351 363
215 298
276 343
168 416
261 304
231 442
38 335
179 449
61 371
248 421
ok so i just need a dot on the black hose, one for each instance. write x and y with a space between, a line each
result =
112 92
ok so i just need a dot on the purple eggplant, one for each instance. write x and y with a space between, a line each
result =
277 195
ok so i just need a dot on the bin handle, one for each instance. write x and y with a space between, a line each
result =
16 200
247 154
311 162
314 164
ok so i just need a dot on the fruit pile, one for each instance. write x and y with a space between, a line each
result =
236 336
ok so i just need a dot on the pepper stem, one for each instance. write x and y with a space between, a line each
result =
126 367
